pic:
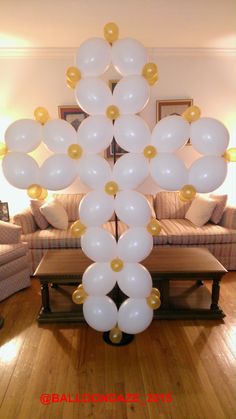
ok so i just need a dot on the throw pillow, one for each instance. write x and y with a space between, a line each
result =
221 201
200 211
38 216
71 204
55 214
168 205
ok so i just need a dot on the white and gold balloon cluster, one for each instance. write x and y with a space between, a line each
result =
115 114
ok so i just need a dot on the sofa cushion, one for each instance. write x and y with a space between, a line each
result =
200 210
184 232
40 220
218 211
168 205
14 266
71 204
160 239
9 252
51 238
55 214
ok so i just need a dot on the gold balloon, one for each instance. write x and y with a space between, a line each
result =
117 265
153 301
153 227
71 84
115 335
112 112
74 151
111 32
150 152
43 195
34 191
229 155
192 113
77 229
3 150
187 193
73 74
149 71
79 296
153 80
111 188
155 291
41 115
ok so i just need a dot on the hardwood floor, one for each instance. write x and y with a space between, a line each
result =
194 361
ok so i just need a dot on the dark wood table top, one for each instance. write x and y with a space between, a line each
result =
162 260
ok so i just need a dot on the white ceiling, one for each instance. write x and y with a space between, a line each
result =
156 23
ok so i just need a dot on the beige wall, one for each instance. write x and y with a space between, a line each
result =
38 78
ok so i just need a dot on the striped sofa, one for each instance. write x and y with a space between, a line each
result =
219 238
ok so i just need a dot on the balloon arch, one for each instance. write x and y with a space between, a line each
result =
114 189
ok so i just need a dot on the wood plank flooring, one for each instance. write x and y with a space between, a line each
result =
194 361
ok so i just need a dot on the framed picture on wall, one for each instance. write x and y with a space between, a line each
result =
4 211
72 114
172 107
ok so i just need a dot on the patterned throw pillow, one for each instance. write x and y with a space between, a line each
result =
168 205
221 201
71 204
38 216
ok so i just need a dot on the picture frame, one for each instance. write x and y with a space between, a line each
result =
72 114
4 211
172 107
114 150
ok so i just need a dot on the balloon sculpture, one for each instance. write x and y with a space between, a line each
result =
77 154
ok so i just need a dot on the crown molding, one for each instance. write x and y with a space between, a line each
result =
62 52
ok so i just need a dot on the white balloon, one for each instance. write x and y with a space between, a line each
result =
131 94
94 171
168 171
93 57
98 244
100 313
128 56
209 136
207 173
170 134
132 133
98 279
134 244
132 208
134 280
57 172
59 135
96 208
20 170
95 134
134 316
23 135
130 170
93 95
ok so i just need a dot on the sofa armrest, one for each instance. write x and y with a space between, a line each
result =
228 219
9 233
26 221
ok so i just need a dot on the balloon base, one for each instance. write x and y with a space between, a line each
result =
126 339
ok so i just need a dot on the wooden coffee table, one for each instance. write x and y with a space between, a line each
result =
170 268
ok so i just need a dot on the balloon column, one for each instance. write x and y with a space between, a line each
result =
114 189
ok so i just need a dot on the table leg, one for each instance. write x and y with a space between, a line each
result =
45 297
215 294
